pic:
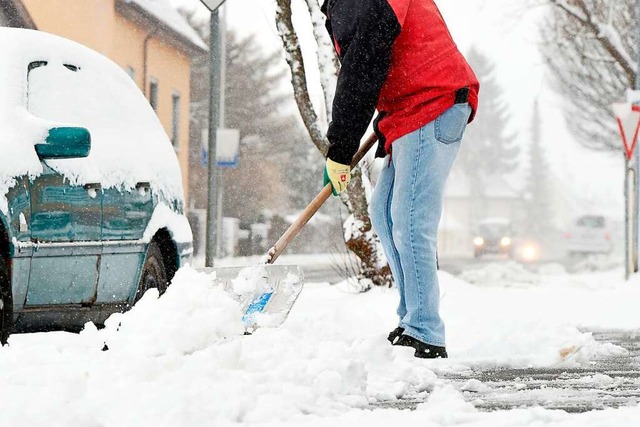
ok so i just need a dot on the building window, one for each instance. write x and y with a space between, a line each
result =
153 93
131 72
175 120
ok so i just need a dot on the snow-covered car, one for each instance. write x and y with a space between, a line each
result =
493 236
590 234
91 198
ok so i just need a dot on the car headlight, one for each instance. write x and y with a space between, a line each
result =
505 241
530 253
478 241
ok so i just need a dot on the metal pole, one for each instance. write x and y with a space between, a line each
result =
636 154
630 218
223 63
222 80
633 179
214 103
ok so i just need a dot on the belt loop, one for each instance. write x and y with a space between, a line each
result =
462 95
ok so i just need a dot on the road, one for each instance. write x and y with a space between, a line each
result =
332 273
605 383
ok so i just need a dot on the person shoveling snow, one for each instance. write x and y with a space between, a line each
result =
398 56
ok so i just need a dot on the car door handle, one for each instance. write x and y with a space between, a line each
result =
143 188
92 189
93 186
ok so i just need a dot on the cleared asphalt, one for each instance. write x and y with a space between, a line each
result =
605 383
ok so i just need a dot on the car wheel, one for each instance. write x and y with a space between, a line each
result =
6 303
153 274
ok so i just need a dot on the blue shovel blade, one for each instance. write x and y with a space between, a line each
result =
256 306
272 302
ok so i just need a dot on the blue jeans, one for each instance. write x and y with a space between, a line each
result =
405 212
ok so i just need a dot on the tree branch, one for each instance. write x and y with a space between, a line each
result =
608 37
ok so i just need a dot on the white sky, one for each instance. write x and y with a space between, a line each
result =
506 32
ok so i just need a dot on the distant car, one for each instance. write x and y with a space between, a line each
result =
590 234
91 199
494 236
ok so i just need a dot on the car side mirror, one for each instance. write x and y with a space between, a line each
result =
65 143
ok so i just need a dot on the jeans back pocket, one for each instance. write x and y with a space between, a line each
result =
450 125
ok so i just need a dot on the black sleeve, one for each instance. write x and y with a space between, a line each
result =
364 32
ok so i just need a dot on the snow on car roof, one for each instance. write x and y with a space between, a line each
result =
129 144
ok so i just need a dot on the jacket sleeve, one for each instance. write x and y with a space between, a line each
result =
364 32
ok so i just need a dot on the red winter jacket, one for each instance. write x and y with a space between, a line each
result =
398 56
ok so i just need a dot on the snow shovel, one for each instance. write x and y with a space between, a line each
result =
267 292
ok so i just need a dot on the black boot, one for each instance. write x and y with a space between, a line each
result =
423 350
395 335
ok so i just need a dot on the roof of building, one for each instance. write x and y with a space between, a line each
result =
161 13
16 14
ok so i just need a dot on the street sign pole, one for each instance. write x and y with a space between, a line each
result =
631 187
631 212
221 171
636 167
214 117
628 117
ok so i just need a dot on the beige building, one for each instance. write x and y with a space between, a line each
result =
147 38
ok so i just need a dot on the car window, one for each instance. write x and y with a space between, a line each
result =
591 222
495 230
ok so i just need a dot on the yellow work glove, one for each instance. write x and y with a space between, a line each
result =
338 175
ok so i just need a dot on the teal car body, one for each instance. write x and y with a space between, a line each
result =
77 227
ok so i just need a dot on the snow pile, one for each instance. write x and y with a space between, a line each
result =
601 381
475 386
510 274
355 285
536 326
193 314
552 269
165 217
599 263
251 281
182 359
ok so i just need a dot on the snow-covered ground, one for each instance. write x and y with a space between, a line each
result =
183 360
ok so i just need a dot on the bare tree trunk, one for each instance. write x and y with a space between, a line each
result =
328 63
360 238
359 235
298 77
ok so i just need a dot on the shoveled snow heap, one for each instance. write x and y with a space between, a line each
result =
183 360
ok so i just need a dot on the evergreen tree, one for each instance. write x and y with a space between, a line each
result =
256 104
538 199
488 149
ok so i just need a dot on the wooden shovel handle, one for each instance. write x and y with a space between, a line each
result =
304 217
